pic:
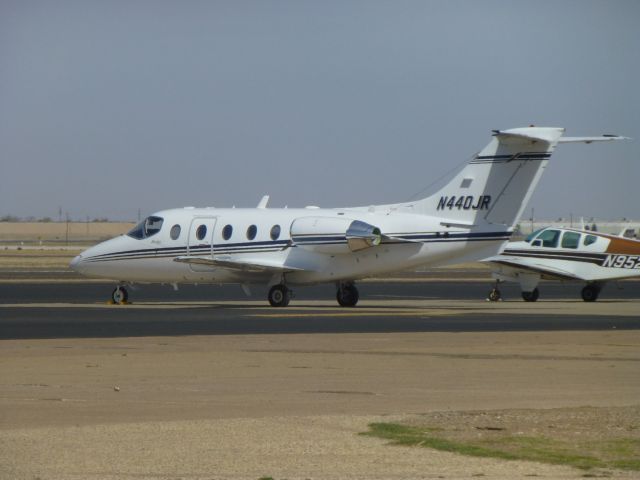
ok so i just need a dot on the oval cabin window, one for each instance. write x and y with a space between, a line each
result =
201 232
175 232
275 232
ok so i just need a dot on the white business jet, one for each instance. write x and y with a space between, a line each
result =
565 254
469 219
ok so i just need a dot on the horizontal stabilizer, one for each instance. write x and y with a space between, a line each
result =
244 265
534 134
601 138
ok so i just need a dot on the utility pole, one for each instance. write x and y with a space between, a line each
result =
67 229
531 219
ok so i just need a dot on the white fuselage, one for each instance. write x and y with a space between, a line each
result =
410 240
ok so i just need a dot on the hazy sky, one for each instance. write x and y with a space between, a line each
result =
111 106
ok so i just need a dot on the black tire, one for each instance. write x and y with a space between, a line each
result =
347 295
590 293
531 296
494 295
119 295
279 296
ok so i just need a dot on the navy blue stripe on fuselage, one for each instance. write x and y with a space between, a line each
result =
279 245
270 246
586 257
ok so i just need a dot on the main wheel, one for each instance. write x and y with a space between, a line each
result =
590 293
494 295
279 296
531 296
120 295
347 295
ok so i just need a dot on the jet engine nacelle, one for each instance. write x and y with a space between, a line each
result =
334 235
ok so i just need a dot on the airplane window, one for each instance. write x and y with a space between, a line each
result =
549 238
570 240
251 232
201 232
589 239
533 234
275 232
227 231
175 232
146 228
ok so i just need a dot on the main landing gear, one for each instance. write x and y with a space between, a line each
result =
347 294
590 292
496 296
119 296
531 296
279 295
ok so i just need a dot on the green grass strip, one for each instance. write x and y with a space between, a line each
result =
622 454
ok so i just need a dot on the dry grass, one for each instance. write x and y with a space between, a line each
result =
35 232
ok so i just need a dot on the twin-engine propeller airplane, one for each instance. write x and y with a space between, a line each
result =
565 254
468 219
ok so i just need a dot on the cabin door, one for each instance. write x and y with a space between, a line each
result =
200 241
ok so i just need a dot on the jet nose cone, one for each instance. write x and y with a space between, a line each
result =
75 263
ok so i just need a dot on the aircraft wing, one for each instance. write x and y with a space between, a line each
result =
240 264
530 265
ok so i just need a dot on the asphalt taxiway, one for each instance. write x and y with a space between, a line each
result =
80 310
205 383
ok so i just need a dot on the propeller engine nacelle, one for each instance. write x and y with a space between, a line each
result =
334 235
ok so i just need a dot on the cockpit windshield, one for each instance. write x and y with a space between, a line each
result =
146 228
532 235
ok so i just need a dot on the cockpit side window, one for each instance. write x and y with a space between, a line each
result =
146 228
570 240
532 235
549 238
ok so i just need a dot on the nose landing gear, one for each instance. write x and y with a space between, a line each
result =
119 296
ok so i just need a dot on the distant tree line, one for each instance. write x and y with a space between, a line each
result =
13 218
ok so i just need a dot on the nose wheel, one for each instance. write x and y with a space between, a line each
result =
119 296
279 296
347 295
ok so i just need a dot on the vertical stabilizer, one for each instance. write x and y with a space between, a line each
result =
496 184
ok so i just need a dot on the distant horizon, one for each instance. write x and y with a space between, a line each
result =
46 219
